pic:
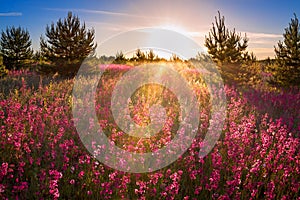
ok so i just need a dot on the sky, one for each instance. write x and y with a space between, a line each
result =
263 21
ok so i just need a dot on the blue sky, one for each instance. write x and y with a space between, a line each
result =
263 20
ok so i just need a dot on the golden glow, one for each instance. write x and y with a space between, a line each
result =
175 28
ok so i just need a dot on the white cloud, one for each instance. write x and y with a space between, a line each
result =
263 52
262 44
263 38
253 35
10 14
111 26
103 12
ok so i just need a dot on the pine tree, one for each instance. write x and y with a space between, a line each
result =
68 44
150 55
287 52
15 47
140 55
225 47
120 58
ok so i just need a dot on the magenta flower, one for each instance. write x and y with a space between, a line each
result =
81 174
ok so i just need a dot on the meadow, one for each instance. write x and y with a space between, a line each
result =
42 156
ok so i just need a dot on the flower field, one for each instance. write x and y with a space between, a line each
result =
42 156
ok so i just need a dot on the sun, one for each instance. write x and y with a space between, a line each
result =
176 28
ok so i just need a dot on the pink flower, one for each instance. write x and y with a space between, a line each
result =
55 174
3 169
21 186
81 174
2 188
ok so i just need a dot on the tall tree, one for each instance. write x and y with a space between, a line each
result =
68 44
15 47
288 56
223 45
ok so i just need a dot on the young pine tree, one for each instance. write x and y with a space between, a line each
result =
15 47
225 47
287 71
151 55
228 50
68 43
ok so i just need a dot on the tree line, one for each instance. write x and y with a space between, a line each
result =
68 42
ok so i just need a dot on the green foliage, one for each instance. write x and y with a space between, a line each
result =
15 47
3 70
251 75
68 44
287 52
139 56
106 59
120 58
37 56
225 47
